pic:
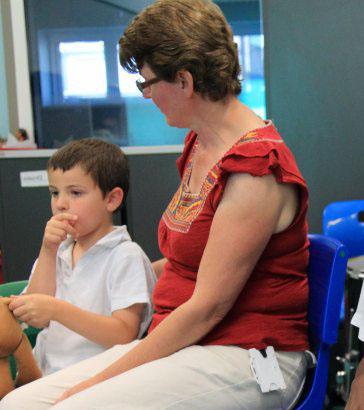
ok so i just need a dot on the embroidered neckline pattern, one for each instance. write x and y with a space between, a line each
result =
185 207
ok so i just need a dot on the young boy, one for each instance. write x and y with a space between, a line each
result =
91 286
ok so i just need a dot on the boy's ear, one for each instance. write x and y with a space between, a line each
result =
114 199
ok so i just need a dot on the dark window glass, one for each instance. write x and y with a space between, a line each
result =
80 90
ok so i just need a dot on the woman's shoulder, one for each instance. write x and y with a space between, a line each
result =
257 138
261 151
255 143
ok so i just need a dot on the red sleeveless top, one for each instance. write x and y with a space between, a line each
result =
272 307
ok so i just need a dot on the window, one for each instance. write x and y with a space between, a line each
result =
82 62
251 61
79 88
127 86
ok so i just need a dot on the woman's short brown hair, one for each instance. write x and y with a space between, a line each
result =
192 35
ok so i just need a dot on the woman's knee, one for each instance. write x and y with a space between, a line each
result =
32 396
14 400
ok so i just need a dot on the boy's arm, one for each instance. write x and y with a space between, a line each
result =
158 266
122 327
43 278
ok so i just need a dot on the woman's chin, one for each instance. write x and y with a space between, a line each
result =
174 123
169 121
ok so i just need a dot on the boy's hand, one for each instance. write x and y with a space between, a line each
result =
35 310
57 229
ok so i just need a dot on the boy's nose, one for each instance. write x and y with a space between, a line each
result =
62 203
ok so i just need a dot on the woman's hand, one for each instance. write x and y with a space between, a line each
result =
77 389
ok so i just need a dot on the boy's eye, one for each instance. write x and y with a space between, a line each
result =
76 193
53 193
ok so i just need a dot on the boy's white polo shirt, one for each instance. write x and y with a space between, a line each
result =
113 274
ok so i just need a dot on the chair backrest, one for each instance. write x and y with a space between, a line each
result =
344 220
12 288
326 275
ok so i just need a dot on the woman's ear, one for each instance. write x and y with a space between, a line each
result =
185 79
114 199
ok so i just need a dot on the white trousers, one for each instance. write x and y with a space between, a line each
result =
195 378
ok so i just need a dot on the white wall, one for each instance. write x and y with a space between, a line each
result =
22 79
15 95
4 114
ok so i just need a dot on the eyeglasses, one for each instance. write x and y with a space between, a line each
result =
142 85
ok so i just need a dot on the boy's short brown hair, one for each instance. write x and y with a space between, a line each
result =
192 35
104 162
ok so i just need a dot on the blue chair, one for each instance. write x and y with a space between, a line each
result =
326 276
344 220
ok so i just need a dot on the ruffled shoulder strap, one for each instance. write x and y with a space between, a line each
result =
262 152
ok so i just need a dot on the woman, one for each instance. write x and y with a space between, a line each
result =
234 238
